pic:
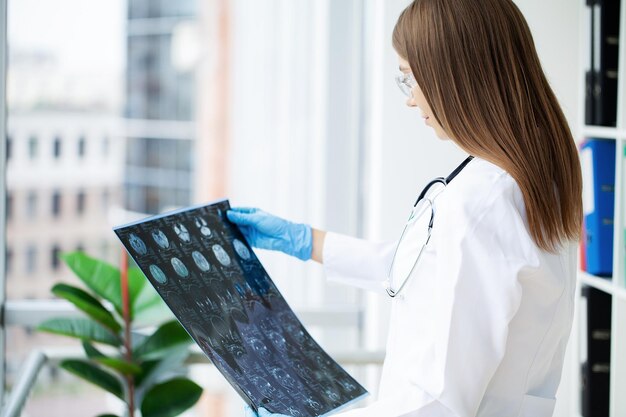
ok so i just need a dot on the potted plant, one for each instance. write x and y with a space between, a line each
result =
139 370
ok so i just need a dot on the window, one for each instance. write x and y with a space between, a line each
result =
56 151
33 144
106 197
56 204
31 259
55 262
9 206
81 147
9 145
105 147
8 261
80 202
31 205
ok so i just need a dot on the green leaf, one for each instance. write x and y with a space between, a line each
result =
91 351
103 279
154 371
116 364
170 398
119 365
107 415
95 375
90 305
166 337
84 329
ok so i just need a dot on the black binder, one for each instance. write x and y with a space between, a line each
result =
595 313
601 107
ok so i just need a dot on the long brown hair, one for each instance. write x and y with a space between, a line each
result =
476 63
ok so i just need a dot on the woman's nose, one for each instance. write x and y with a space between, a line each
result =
411 102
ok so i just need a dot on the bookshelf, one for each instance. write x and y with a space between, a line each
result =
615 285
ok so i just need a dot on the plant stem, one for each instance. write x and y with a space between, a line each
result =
127 328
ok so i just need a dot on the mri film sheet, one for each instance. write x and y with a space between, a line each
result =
205 271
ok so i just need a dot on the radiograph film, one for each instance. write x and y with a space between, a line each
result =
203 268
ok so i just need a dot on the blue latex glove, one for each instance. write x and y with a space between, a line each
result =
265 231
262 413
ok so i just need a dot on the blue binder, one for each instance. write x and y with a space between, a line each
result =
598 167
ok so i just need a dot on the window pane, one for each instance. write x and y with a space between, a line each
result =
32 147
112 115
80 202
31 205
31 259
56 204
9 147
57 148
81 146
55 262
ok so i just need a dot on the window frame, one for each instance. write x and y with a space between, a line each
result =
3 134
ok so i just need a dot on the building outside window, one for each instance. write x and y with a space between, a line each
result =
33 145
31 205
56 204
80 202
55 262
81 147
56 148
31 259
8 263
9 145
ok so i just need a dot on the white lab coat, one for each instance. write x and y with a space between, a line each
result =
481 326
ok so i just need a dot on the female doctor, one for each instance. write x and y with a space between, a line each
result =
482 279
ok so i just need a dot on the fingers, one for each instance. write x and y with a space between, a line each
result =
242 218
249 412
248 210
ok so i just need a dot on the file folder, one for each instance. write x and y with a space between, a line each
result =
598 167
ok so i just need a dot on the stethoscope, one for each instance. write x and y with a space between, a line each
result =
421 204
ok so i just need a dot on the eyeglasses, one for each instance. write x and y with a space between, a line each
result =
407 83
414 238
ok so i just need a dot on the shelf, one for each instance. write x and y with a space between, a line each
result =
602 132
603 284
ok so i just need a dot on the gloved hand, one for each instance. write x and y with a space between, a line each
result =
265 231
262 413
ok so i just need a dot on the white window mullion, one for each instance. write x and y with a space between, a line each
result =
3 130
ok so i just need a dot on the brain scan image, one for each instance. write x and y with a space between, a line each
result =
179 267
157 274
278 340
347 385
331 395
203 226
201 262
294 412
137 244
321 361
260 348
313 404
182 232
221 255
203 268
160 239
265 387
241 249
284 378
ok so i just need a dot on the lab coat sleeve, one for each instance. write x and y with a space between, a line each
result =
479 260
357 262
